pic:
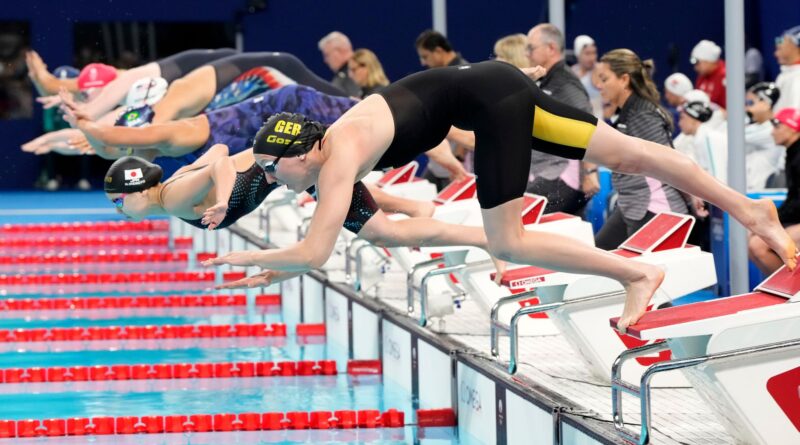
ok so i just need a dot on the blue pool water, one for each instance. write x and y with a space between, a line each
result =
182 396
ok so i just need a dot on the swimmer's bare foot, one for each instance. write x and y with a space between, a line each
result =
423 209
638 295
763 221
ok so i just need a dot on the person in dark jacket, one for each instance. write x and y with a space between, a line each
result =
786 133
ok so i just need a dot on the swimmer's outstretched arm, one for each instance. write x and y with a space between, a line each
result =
223 173
45 83
335 192
173 138
443 156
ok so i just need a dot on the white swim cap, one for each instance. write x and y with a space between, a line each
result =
146 91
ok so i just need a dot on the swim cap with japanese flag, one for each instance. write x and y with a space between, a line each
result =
131 174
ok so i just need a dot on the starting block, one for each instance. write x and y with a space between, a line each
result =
403 182
741 353
577 304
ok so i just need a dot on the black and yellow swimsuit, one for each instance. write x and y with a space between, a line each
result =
508 113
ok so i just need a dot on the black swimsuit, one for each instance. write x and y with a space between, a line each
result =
507 111
362 207
178 65
229 68
249 191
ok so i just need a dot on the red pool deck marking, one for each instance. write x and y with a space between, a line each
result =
95 241
160 332
167 371
310 329
102 226
364 367
104 278
98 258
133 302
195 423
436 417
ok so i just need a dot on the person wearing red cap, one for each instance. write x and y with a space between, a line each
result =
786 133
710 71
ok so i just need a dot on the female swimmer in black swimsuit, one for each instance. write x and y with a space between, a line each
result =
217 190
510 116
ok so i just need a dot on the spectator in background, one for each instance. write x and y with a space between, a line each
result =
709 147
336 51
625 82
765 159
367 72
511 49
675 86
710 70
567 184
786 133
435 51
753 66
586 53
787 52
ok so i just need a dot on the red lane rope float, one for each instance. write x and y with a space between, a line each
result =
134 302
103 258
166 371
310 329
196 423
96 241
161 332
103 226
103 278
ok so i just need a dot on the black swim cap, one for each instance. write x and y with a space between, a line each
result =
131 174
766 91
287 135
698 110
136 117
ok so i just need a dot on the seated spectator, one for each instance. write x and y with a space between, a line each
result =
765 159
511 49
336 51
786 133
586 53
709 147
710 71
367 72
675 86
787 51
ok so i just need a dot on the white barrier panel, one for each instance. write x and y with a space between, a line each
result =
290 301
476 409
366 323
435 377
527 423
336 319
313 301
571 435
397 355
238 243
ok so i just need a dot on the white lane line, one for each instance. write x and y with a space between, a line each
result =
84 211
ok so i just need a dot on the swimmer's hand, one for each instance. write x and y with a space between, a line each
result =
49 101
500 267
240 258
261 279
699 207
534 72
73 113
214 215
